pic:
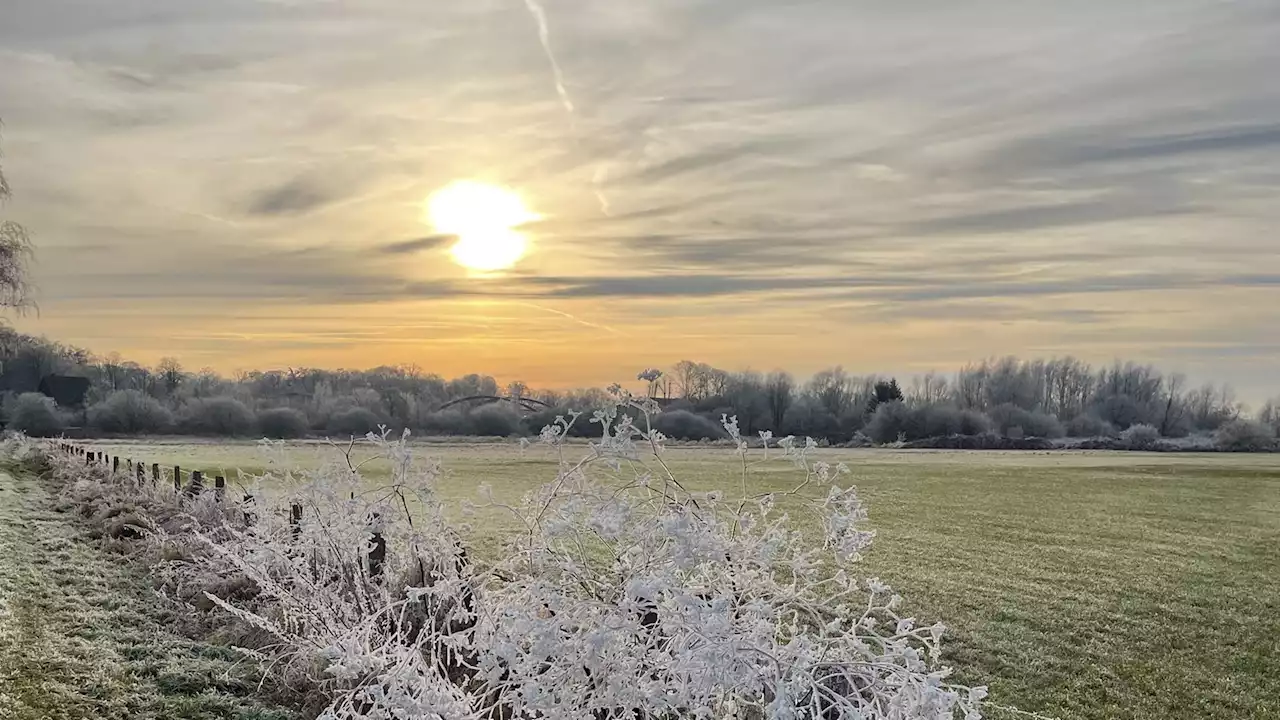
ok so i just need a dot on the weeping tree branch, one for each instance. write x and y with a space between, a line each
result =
529 404
15 253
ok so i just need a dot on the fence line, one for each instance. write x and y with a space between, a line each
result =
375 558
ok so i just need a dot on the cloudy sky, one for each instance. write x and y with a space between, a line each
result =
889 186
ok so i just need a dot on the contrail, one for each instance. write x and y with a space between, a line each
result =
602 173
544 34
566 315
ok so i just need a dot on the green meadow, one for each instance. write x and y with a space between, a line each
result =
1075 584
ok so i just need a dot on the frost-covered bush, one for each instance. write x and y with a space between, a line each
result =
894 420
35 414
1140 437
1245 436
495 419
452 421
940 420
353 422
685 425
622 594
129 412
1089 425
282 423
1013 421
806 417
217 417
632 597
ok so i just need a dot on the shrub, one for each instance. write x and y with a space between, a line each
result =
36 415
973 422
356 422
129 412
892 420
1089 425
808 418
981 441
1013 421
1245 436
282 423
218 417
498 419
447 422
1140 437
895 419
684 425
943 420
858 440
1121 411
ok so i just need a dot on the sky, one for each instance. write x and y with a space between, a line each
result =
892 187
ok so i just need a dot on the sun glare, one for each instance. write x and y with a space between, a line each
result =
484 218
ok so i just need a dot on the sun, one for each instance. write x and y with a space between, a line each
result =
485 219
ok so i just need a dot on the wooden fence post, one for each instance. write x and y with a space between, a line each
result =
197 483
249 516
295 520
177 478
115 464
155 473
219 487
378 552
139 472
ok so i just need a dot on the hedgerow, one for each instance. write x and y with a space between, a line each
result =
623 594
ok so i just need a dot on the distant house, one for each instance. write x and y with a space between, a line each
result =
69 391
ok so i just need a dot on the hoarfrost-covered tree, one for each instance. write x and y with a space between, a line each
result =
15 252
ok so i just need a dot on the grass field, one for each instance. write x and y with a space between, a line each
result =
1077 585
83 636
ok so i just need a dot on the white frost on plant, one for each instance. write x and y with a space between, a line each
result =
624 595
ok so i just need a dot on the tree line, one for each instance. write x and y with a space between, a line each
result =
1007 397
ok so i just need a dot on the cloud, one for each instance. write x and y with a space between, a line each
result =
1233 140
1126 147
685 285
297 196
1004 160
884 287
407 247
1055 215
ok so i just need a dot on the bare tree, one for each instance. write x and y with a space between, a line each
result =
170 371
690 379
1175 408
970 388
517 390
929 389
1270 413
15 252
112 368
834 390
778 394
